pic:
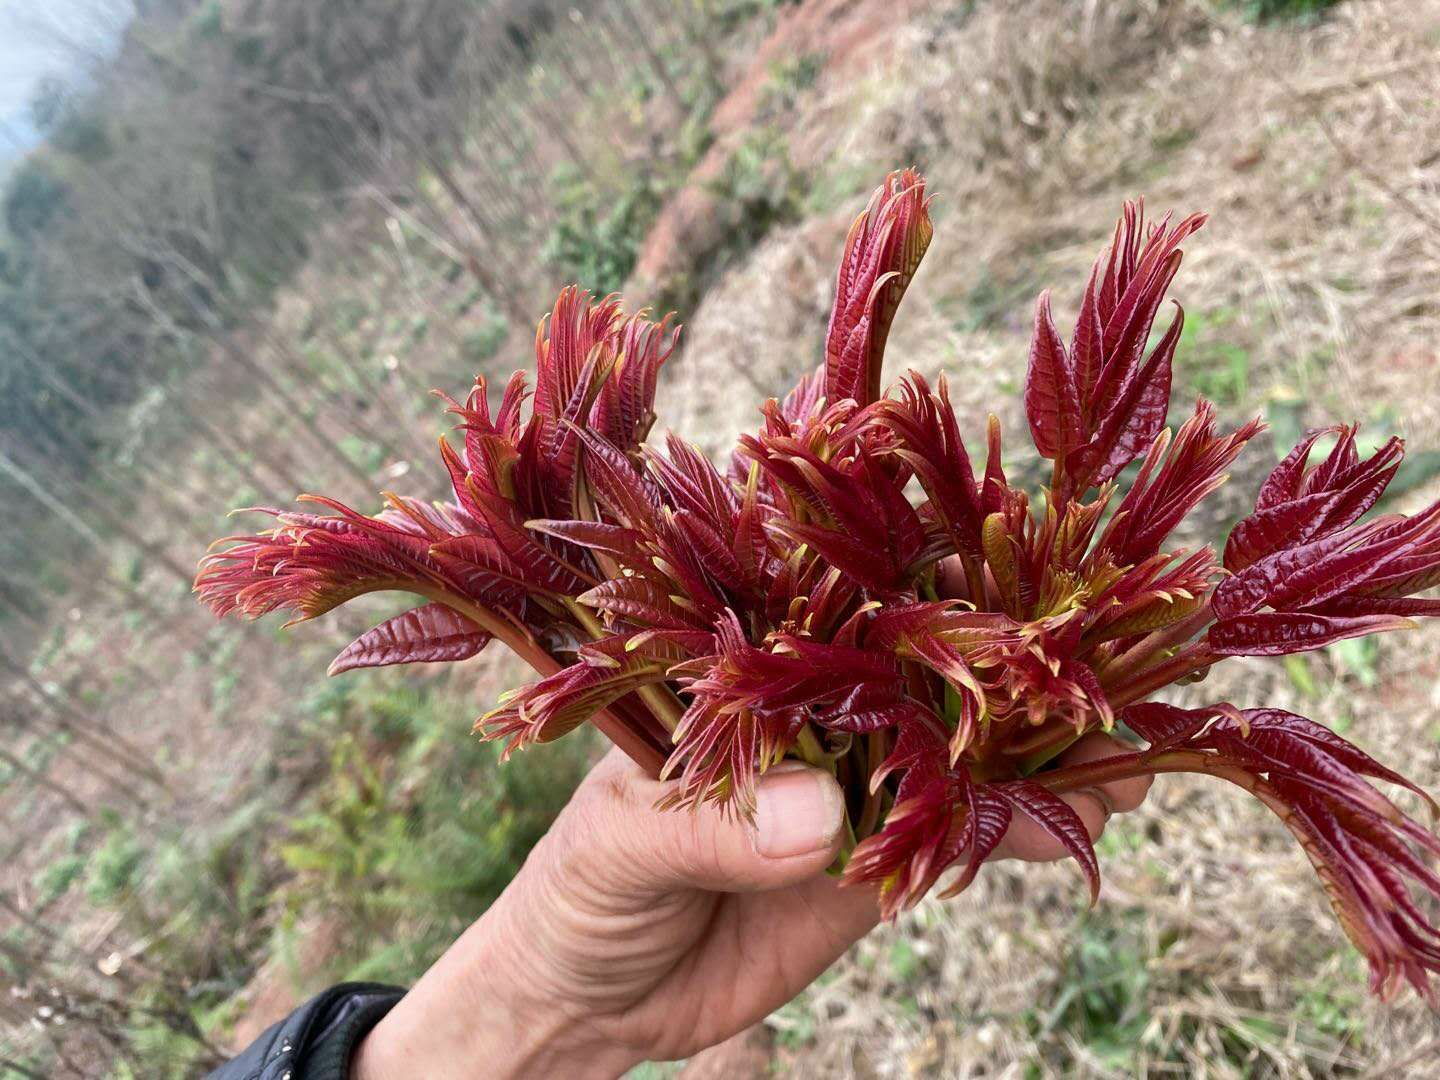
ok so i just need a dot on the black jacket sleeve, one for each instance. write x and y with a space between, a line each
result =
316 1040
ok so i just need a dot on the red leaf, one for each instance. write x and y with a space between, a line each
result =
624 409
1056 817
615 539
1137 415
433 633
1165 492
1268 530
882 252
618 485
1277 633
927 439
557 704
1163 725
1349 755
1051 401
988 822
1296 505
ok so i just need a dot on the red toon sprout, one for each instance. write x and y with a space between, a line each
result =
936 644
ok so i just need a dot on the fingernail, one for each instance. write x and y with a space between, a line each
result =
797 811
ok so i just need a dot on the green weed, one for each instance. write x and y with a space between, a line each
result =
416 829
1211 363
484 343
789 78
1101 993
598 232
1268 10
1102 999
55 879
113 866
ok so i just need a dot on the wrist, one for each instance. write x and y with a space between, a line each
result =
472 1015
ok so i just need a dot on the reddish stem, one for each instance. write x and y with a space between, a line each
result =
1153 644
1058 495
1186 662
1141 763
634 743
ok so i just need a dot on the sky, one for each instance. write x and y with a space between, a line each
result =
40 38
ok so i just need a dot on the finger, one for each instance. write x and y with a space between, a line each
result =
794 836
1028 842
1122 795
950 578
822 918
829 915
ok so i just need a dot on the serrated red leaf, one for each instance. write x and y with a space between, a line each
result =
430 634
1052 403
1278 633
1163 725
882 252
988 821
1059 820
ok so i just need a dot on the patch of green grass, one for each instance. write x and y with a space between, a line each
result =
655 1070
788 79
64 850
225 677
56 878
996 300
416 828
756 190
484 343
1302 678
1360 657
1269 10
1101 996
1105 988
1334 1010
904 961
113 867
365 454
794 1024
839 182
1121 838
1209 361
599 228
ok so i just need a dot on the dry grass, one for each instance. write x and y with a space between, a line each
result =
1317 150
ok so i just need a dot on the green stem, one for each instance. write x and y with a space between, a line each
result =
975 581
658 696
1046 754
811 752
874 756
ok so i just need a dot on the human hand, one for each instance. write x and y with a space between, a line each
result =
633 934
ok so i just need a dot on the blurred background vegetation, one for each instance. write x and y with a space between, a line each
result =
240 241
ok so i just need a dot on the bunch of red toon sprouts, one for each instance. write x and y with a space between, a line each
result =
713 622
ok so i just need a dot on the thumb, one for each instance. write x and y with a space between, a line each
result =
799 811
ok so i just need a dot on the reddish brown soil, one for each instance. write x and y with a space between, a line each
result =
848 34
